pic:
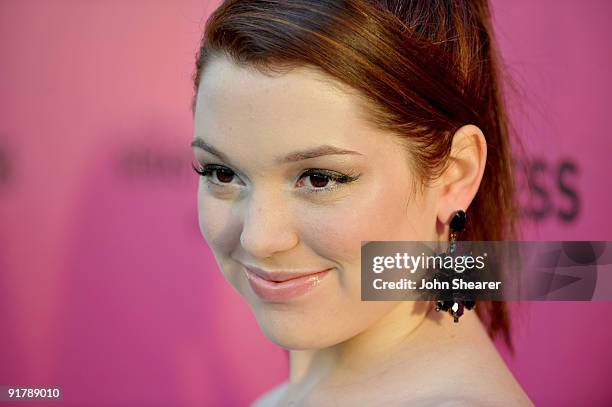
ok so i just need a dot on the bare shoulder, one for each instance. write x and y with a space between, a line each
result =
271 397
465 370
483 381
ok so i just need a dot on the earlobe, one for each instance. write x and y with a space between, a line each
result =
463 175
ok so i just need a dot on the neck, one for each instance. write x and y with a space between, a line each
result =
373 347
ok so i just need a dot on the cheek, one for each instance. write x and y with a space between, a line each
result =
214 218
380 213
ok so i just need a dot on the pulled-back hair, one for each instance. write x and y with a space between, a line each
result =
423 68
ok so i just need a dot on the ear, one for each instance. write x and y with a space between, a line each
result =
461 179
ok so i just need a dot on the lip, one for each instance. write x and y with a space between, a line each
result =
278 286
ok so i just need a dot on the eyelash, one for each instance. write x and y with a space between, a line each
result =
207 170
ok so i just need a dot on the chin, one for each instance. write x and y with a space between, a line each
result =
296 331
292 340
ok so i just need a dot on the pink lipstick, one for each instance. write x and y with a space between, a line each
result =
280 286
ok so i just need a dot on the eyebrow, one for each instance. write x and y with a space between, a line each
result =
318 151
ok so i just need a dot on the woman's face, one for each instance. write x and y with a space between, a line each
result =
298 179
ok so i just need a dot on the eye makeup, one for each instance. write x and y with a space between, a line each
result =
222 176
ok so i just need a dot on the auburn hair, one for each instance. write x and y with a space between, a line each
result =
423 68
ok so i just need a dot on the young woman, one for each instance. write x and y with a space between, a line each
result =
321 124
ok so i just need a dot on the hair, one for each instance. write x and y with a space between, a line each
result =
423 69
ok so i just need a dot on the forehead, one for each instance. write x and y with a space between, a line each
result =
239 108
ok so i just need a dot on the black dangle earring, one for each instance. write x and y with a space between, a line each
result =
456 305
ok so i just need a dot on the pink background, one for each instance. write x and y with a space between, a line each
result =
107 288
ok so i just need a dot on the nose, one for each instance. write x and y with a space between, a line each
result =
267 226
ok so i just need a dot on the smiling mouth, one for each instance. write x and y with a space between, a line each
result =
281 276
283 286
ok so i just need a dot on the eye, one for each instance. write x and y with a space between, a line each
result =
223 175
311 180
320 180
